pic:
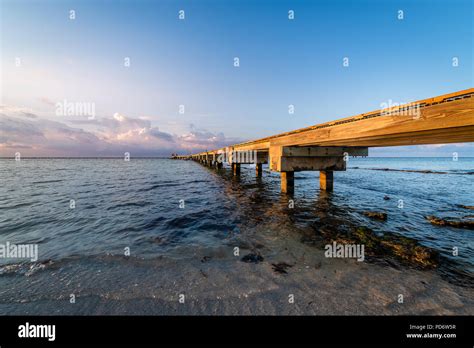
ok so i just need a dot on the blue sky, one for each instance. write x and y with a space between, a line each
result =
190 62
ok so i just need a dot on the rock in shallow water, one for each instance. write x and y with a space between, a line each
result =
252 258
469 224
376 215
206 258
404 249
281 267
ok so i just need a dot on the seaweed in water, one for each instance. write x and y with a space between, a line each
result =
467 224
376 215
252 258
403 249
281 267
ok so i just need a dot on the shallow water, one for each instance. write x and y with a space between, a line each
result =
136 204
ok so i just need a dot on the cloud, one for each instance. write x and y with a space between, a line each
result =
437 146
118 122
47 101
18 111
204 140
155 132
437 150
41 137
24 131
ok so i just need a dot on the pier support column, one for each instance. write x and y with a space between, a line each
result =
219 165
236 168
258 169
326 179
287 182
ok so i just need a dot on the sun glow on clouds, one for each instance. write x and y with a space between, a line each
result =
25 132
119 117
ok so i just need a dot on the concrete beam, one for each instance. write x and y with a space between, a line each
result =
247 157
299 164
311 158
321 151
230 155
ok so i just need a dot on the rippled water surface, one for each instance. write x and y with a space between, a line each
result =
136 204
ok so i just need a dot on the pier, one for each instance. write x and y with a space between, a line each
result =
326 147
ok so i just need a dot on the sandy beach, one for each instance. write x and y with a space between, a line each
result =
215 282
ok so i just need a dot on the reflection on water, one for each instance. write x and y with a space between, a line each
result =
137 204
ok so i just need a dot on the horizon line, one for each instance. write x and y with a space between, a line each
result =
164 157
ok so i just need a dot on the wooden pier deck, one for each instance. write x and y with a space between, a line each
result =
325 147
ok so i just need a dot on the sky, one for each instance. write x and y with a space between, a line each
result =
131 76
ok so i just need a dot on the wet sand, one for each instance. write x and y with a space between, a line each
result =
215 282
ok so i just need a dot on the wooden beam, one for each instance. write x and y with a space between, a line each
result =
440 123
287 182
258 169
443 119
326 179
236 168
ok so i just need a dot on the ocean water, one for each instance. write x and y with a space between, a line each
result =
168 208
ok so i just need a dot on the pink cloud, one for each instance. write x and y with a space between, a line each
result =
31 135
